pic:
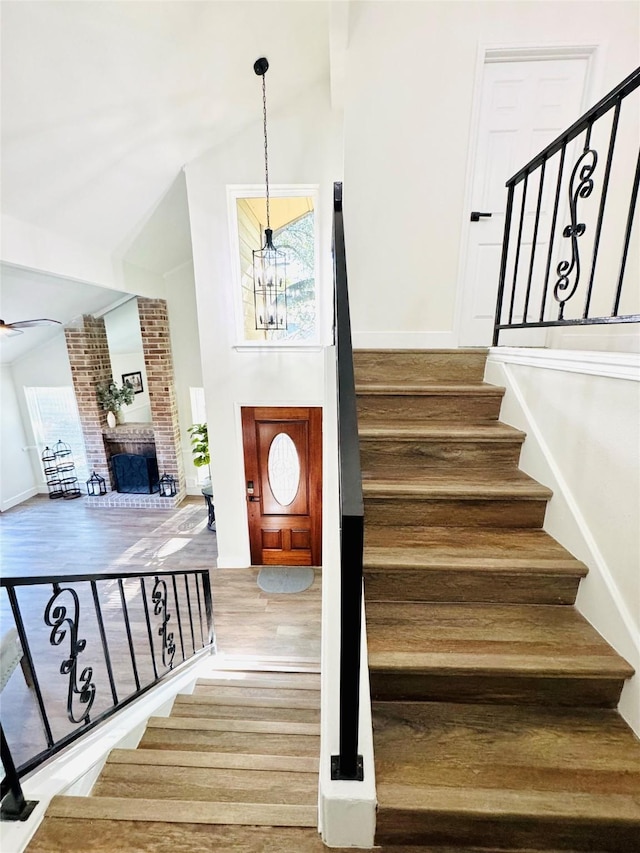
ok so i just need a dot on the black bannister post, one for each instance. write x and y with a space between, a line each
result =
348 764
14 806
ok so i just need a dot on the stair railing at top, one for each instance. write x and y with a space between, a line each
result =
348 764
530 295
92 643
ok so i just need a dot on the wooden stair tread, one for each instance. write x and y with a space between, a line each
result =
59 835
233 761
451 352
536 749
122 809
399 560
469 549
432 389
249 726
488 541
263 693
256 697
464 485
442 430
503 803
264 681
488 638
265 666
194 706
198 739
207 784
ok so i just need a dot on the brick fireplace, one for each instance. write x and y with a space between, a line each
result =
90 364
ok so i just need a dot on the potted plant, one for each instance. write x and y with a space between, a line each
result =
112 398
199 444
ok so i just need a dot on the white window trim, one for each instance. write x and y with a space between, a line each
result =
234 192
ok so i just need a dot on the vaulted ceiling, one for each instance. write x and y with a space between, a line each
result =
104 102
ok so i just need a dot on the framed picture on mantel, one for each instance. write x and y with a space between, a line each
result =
135 380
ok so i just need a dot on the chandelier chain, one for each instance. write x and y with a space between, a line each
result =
266 154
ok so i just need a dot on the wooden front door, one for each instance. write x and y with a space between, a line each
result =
283 480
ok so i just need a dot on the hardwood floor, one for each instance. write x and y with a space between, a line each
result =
44 537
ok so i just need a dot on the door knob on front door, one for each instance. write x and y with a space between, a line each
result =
475 215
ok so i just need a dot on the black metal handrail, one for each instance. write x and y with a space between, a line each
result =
530 287
164 625
347 764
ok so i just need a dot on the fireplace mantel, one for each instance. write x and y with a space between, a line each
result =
130 438
129 432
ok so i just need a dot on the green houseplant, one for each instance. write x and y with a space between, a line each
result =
199 444
112 398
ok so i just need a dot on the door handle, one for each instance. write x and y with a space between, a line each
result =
475 215
254 498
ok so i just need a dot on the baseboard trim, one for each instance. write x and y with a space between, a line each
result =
18 499
404 340
614 365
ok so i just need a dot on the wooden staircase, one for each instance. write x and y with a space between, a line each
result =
494 720
234 767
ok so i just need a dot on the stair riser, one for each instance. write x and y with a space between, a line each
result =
384 456
403 826
505 689
468 586
237 742
213 711
387 408
398 511
207 784
419 366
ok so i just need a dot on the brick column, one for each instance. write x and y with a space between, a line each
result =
89 359
158 361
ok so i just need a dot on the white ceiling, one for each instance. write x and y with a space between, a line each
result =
26 295
104 102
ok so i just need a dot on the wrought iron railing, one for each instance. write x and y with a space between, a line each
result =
347 764
569 221
92 644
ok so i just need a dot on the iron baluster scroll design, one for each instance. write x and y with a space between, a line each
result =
55 616
159 598
127 601
564 289
597 266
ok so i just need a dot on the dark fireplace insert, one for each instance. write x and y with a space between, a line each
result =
135 474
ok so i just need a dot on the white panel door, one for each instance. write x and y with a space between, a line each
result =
524 105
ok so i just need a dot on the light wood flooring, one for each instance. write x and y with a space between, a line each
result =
44 537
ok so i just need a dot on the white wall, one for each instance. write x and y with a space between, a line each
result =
122 326
584 442
44 367
303 149
409 93
17 481
187 367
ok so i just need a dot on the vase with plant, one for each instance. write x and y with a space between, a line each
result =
112 398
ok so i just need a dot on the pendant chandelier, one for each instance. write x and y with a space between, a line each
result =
269 263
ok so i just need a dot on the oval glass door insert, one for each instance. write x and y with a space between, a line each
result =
284 469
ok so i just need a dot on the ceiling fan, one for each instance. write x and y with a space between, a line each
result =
9 329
